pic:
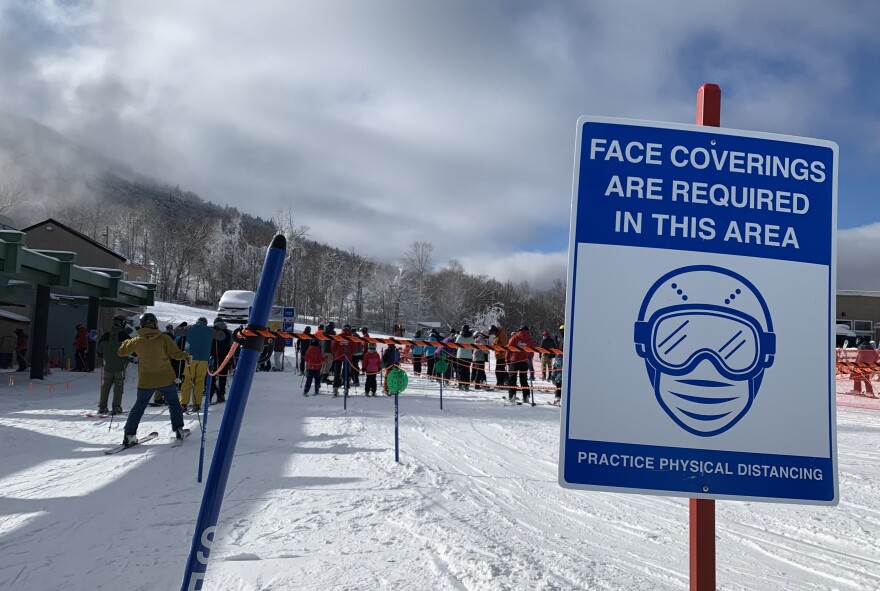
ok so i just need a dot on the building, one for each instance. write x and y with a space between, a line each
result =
859 312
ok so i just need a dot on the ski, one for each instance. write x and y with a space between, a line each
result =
94 415
121 447
178 442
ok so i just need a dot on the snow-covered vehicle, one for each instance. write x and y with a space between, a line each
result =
235 305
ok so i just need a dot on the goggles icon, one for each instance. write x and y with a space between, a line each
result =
676 339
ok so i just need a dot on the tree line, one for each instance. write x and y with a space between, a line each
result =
197 250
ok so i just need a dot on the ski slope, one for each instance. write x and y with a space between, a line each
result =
315 501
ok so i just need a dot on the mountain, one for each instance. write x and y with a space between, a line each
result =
43 173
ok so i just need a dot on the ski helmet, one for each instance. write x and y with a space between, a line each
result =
149 320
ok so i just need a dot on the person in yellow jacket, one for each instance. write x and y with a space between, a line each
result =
154 350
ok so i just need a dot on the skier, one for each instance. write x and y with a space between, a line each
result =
556 378
499 338
114 365
314 360
390 360
199 339
180 341
371 365
430 353
21 349
302 347
80 346
417 352
518 362
342 352
222 344
278 350
464 357
329 330
154 350
478 373
547 342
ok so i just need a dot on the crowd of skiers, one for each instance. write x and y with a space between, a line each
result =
173 365
326 361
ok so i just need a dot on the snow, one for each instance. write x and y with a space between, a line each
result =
315 500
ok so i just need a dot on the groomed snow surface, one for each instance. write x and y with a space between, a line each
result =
315 500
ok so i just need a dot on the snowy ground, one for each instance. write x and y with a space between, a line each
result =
316 501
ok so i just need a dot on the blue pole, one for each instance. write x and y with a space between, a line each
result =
207 399
345 377
212 498
396 431
441 392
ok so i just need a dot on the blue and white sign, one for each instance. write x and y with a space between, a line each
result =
289 312
287 327
699 345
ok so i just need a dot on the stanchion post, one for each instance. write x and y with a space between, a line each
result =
702 511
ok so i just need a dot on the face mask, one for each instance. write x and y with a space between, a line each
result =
703 401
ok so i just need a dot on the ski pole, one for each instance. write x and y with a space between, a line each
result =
204 424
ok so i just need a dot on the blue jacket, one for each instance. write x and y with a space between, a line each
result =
429 351
199 339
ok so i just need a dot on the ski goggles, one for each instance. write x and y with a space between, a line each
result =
676 340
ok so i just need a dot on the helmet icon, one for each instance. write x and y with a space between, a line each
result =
706 336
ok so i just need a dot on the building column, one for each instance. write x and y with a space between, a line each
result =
41 330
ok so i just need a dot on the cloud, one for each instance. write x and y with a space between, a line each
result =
386 122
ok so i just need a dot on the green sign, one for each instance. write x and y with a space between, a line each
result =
441 365
396 381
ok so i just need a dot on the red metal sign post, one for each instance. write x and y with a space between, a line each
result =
702 511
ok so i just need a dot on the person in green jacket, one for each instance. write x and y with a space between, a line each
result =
154 350
114 365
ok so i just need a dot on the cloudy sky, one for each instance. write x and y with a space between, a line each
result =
379 123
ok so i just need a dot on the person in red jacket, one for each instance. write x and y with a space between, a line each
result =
314 361
866 354
518 362
371 366
81 346
343 351
21 349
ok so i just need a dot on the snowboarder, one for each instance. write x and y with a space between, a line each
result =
154 350
114 365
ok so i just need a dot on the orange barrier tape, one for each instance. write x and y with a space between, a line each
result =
393 341
851 367
225 361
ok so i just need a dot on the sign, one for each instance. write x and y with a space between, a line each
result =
289 312
287 327
397 380
701 279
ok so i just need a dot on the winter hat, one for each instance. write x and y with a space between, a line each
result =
493 329
371 346
346 327
171 326
308 330
202 320
545 333
320 327
220 325
524 327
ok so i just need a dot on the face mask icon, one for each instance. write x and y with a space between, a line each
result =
706 336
